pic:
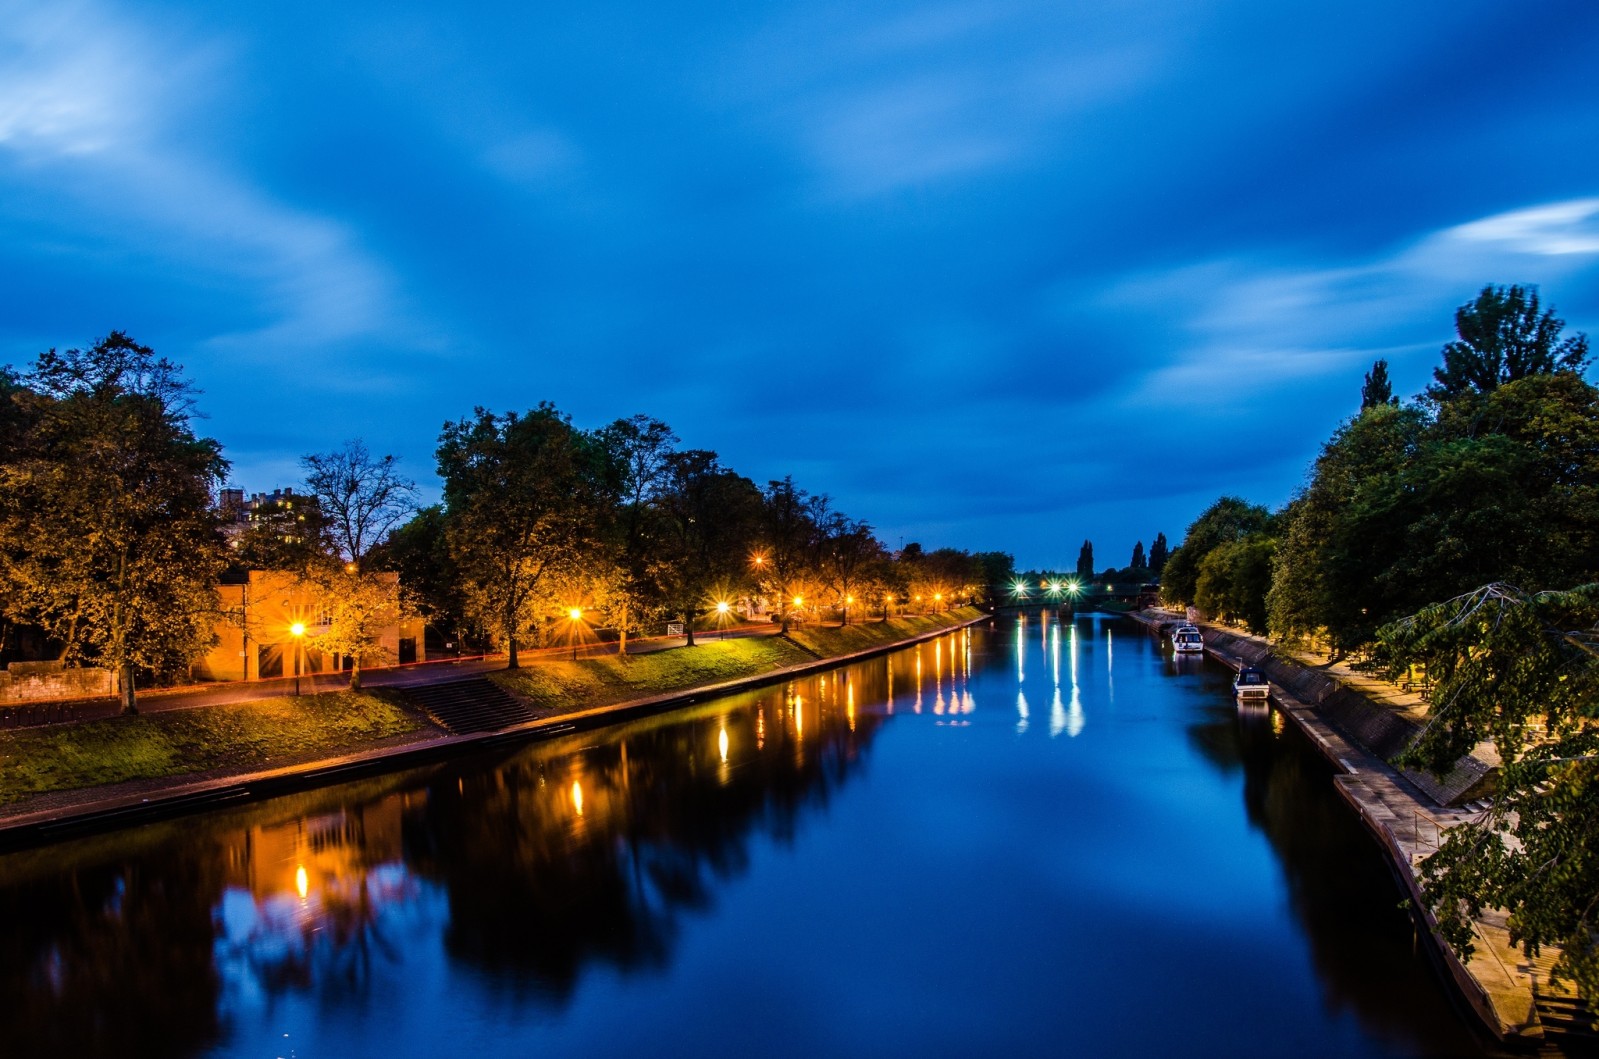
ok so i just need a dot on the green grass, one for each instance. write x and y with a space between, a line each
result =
831 640
153 745
565 686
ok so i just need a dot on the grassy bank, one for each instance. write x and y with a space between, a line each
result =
564 686
239 736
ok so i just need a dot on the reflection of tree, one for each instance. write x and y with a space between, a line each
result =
537 888
112 959
1340 887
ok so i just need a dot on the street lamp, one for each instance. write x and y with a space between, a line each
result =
721 617
575 615
298 631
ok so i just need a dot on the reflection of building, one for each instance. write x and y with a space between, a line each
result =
328 851
255 637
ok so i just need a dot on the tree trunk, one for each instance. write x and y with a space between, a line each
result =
621 645
511 661
688 628
130 704
355 674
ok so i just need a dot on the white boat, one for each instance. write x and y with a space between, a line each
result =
1187 640
1251 685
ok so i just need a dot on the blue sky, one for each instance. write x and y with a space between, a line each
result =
996 275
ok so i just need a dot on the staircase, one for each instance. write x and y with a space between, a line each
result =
477 705
1569 1027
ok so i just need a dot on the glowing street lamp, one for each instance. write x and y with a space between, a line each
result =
297 630
722 608
575 616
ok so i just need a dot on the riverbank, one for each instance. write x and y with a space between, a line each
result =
168 764
1408 818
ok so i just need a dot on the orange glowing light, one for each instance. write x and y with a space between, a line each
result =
576 614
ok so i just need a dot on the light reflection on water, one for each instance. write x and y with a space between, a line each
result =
1175 878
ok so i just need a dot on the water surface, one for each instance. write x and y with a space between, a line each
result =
1035 839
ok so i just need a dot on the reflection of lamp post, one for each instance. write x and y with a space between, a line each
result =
298 629
575 615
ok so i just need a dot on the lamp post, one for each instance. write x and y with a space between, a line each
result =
575 616
721 618
298 630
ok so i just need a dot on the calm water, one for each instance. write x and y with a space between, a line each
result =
1035 840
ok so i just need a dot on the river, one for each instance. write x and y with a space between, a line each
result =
1024 838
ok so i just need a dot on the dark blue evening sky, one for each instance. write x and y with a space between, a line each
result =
996 275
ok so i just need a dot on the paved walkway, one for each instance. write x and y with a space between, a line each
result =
1499 982
412 674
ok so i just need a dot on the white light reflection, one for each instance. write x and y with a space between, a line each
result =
1110 666
721 743
1021 711
1075 719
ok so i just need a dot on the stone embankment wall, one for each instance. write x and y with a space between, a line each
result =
1378 728
46 681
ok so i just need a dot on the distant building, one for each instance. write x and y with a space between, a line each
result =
255 637
283 511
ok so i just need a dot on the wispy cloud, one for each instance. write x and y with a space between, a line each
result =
1272 325
96 109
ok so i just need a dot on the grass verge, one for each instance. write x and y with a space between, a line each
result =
564 686
242 735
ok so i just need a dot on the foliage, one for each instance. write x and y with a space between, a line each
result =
1158 554
107 538
1085 563
1521 670
519 492
1377 390
286 534
701 524
359 605
430 581
1138 560
1504 337
1228 519
1234 578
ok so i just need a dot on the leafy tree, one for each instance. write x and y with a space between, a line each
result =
517 495
1504 337
360 605
1377 390
430 580
1234 578
640 449
107 536
1521 670
1138 560
1342 534
850 554
1158 554
286 534
1085 563
788 544
1228 519
703 521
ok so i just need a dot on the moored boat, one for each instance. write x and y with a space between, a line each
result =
1251 684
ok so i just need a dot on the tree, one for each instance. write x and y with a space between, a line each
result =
517 495
359 605
1377 390
1522 670
430 580
1138 561
850 552
286 534
1228 519
1158 554
1504 337
639 448
360 498
1085 563
107 536
788 544
703 521
1234 578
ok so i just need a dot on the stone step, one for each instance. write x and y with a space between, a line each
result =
475 705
